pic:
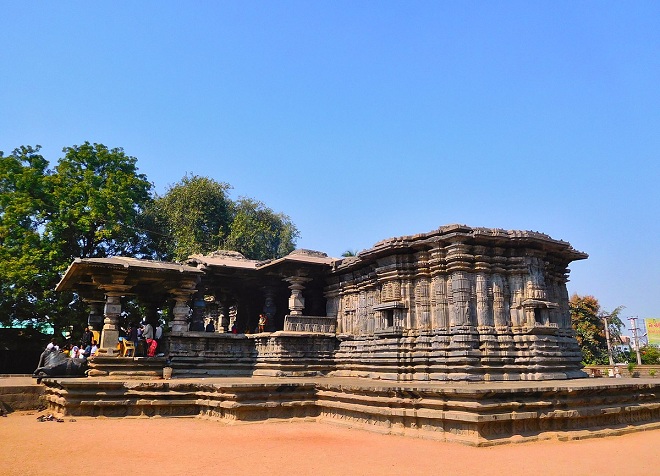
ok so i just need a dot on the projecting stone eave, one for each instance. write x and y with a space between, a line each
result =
81 266
231 259
493 237
298 263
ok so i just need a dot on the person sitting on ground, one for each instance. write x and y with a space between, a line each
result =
93 349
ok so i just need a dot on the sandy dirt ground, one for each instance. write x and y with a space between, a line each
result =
170 446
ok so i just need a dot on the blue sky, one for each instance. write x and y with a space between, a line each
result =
367 120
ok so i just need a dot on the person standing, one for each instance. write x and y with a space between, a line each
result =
148 334
87 337
263 320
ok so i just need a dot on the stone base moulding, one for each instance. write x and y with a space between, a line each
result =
480 414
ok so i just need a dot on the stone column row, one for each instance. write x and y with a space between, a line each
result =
112 312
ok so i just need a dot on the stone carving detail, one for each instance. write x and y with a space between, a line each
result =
423 303
460 282
500 303
362 312
484 316
441 307
535 280
323 324
517 297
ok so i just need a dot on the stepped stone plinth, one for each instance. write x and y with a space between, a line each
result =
478 414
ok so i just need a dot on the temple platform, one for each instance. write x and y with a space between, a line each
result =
472 413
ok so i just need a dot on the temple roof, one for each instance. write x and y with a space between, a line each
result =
301 256
223 258
494 237
233 259
85 274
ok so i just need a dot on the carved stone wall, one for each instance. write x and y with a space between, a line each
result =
457 303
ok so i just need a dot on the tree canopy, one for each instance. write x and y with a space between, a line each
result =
196 216
192 217
258 232
587 320
95 203
87 206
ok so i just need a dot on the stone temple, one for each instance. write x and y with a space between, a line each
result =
461 334
457 303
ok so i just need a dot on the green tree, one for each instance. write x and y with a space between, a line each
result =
23 256
88 206
258 232
587 320
196 215
98 198
650 355
192 217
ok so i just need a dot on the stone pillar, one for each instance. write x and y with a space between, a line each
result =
296 301
181 311
199 307
111 312
233 315
95 319
223 316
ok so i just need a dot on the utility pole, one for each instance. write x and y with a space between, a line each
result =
633 321
607 338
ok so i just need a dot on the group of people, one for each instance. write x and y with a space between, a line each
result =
87 347
145 338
